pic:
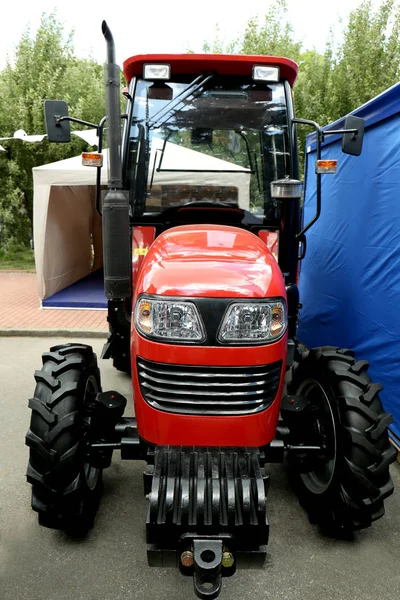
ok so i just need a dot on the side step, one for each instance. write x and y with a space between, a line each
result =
202 497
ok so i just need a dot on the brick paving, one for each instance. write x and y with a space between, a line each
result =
20 308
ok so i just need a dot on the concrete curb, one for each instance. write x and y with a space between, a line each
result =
2 271
46 332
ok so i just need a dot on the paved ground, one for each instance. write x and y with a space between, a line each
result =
40 564
20 309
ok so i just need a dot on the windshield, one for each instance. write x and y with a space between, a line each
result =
218 140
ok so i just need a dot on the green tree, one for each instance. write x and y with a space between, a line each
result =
273 35
14 221
217 46
44 66
368 59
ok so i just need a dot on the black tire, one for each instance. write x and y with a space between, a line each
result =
346 492
66 490
122 363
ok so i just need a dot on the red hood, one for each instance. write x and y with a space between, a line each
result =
210 261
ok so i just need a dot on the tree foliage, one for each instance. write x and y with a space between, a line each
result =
44 66
273 35
368 60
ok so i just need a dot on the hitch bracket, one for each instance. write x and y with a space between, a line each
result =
207 577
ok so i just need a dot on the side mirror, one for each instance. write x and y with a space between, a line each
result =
352 142
57 130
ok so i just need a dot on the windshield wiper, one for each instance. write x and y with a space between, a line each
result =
161 157
173 104
251 154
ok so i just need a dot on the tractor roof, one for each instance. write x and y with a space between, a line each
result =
224 64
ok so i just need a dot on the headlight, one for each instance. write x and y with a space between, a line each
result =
253 322
169 320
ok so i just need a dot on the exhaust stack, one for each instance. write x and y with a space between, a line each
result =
116 234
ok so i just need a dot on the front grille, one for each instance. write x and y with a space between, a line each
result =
208 390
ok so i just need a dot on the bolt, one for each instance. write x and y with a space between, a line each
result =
227 559
187 558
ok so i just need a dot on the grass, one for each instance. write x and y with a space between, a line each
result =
17 258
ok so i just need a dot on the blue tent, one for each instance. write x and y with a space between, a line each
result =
350 278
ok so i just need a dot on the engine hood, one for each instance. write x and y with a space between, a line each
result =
210 261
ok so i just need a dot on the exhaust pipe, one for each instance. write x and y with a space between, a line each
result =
116 233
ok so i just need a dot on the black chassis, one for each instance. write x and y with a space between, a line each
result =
207 505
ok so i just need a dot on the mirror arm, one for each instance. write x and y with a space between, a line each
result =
341 132
319 139
66 118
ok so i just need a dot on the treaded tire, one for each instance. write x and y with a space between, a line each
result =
360 479
65 489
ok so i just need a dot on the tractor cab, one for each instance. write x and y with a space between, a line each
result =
204 138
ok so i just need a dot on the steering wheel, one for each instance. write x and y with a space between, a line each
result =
171 211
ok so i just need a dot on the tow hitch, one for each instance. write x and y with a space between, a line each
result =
207 556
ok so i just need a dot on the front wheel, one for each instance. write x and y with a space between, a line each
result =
342 487
66 489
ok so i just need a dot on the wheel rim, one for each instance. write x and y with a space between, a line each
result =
319 480
91 474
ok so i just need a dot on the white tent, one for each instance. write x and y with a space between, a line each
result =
66 222
197 169
64 218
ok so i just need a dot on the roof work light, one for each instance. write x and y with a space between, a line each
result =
265 73
157 72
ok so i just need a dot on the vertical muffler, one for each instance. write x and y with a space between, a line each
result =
116 231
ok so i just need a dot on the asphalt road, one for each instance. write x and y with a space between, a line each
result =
110 564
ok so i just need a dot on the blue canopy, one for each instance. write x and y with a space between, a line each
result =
350 278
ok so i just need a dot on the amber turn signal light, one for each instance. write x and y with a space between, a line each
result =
326 166
92 159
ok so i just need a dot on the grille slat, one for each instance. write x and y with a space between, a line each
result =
208 390
202 402
201 384
202 371
197 393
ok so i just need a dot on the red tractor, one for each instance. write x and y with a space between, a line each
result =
203 182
